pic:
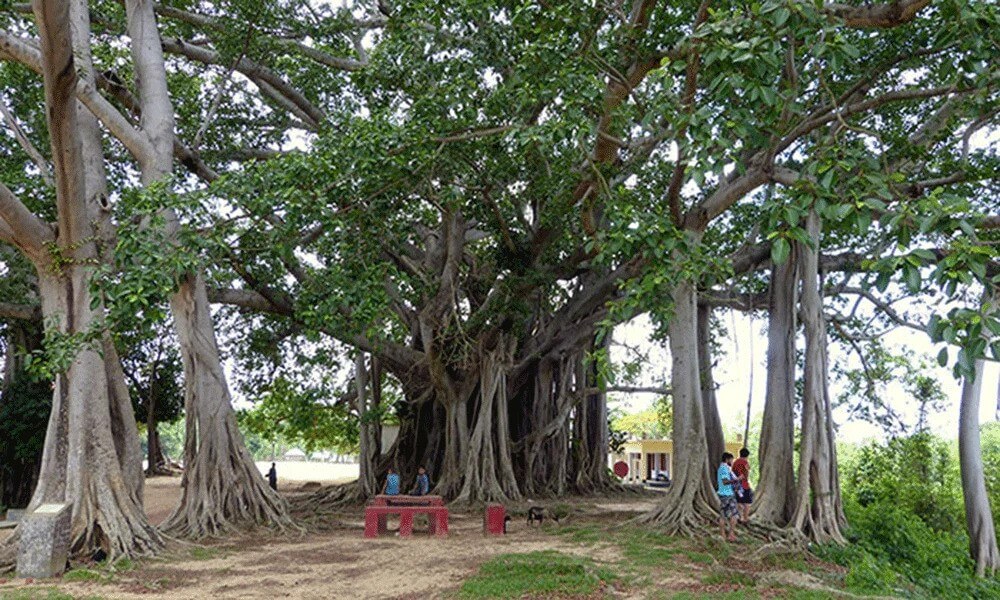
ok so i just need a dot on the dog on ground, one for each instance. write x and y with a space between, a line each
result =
539 514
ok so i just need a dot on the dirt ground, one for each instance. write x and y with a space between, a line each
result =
337 562
334 560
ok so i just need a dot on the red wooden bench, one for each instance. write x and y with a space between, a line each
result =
376 517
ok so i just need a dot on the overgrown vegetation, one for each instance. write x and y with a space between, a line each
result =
907 536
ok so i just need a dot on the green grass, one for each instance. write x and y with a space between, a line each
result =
204 553
35 594
738 595
788 561
726 576
582 534
701 558
92 575
548 572
646 548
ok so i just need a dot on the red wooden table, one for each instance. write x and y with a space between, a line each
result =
377 513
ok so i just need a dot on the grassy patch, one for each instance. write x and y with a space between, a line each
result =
809 595
35 594
646 548
581 534
725 576
701 558
737 595
791 562
204 553
124 565
91 575
548 572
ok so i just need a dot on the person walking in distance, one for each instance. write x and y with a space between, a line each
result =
272 477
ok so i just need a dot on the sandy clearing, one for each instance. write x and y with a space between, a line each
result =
336 564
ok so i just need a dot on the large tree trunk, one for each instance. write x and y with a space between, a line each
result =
713 422
489 470
222 487
99 210
819 513
156 462
978 516
368 451
774 503
691 499
83 463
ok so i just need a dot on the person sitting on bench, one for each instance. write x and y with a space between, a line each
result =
423 486
391 485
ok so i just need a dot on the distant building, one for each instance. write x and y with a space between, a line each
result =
647 458
294 455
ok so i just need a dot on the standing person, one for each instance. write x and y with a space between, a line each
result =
272 477
744 497
391 485
727 497
423 486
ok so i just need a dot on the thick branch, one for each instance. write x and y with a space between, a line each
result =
27 53
30 232
257 73
878 16
23 312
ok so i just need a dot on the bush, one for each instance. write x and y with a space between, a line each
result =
917 474
907 529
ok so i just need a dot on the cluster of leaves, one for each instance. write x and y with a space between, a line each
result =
906 534
865 391
288 413
25 405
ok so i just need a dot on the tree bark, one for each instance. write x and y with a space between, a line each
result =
83 463
714 436
978 513
222 487
775 495
367 455
818 513
489 471
690 499
156 462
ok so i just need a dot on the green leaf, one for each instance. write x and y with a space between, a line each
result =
942 357
780 250
911 275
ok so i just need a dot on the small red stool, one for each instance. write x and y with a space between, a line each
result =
493 520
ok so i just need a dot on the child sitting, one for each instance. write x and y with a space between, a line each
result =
391 485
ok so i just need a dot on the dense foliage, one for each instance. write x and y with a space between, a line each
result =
907 536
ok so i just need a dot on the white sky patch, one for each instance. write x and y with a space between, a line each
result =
745 349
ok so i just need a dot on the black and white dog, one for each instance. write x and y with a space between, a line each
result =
539 513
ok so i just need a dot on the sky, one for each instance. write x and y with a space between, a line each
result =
745 348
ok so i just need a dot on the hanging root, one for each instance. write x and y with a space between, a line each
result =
330 498
220 501
8 552
679 515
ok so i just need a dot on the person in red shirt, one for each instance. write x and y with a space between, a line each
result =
741 467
